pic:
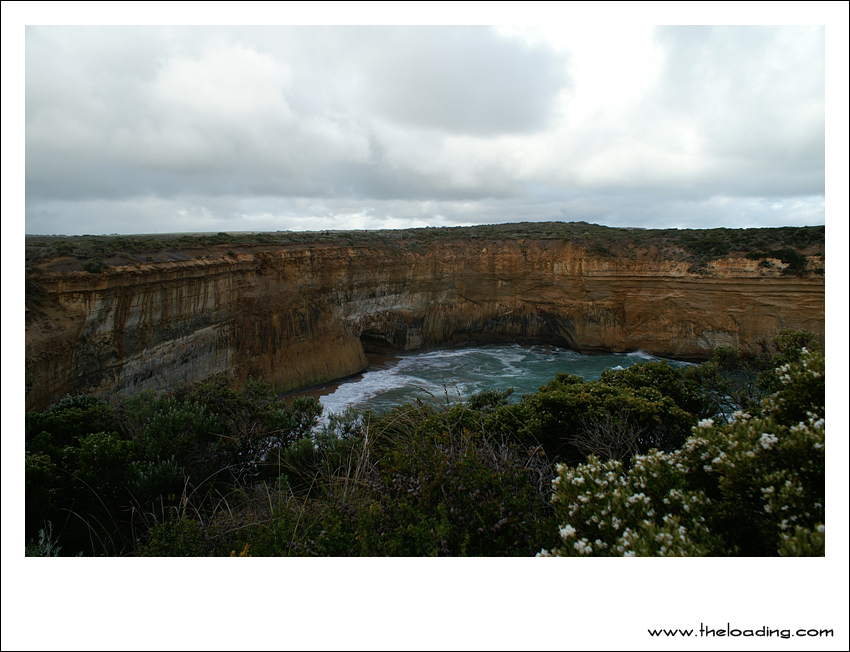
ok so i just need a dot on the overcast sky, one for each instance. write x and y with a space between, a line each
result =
143 129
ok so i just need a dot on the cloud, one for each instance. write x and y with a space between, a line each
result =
755 98
461 80
615 122
726 111
211 111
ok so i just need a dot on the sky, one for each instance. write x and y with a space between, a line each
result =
238 128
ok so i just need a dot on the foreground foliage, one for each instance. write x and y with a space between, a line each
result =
397 484
101 475
724 458
753 485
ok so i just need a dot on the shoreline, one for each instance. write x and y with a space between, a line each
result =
377 362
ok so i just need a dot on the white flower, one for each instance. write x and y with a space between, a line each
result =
820 528
738 415
583 547
705 423
567 531
767 440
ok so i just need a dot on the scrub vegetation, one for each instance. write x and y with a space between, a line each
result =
786 245
722 458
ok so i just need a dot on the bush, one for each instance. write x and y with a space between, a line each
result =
210 428
415 481
456 492
66 423
557 415
95 266
151 479
751 486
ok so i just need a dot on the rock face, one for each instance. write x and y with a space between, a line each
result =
299 314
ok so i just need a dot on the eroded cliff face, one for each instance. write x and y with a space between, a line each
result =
298 315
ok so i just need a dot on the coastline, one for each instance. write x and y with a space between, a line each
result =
376 362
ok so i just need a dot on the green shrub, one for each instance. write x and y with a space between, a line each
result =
210 428
489 400
40 492
413 482
66 423
559 412
151 479
102 462
752 486
95 266
165 426
457 493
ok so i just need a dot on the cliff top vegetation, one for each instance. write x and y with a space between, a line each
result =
95 253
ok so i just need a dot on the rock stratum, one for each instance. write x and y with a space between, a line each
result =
301 314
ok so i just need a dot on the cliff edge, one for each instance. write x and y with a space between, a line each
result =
301 312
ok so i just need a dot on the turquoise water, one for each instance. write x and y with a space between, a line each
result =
453 375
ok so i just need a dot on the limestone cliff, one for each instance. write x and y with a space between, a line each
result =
306 313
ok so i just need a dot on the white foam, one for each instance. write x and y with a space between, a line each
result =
368 386
643 355
455 374
506 357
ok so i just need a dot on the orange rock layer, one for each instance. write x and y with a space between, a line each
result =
299 315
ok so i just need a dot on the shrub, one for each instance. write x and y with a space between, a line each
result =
415 481
95 266
729 381
151 479
167 427
751 486
456 492
66 422
210 428
558 413
102 462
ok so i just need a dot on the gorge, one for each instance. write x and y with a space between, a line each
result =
305 310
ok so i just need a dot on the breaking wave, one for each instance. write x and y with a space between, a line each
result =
452 375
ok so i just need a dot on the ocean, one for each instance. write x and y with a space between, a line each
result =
453 375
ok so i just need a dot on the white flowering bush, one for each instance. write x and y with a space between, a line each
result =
752 485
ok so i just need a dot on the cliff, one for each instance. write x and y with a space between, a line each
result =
304 313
